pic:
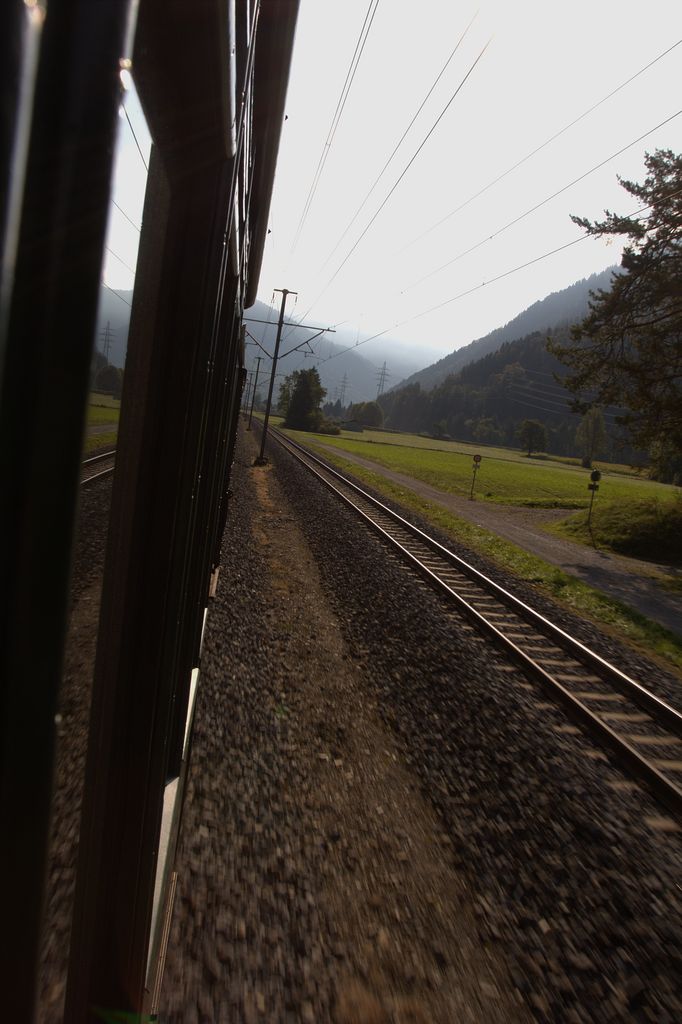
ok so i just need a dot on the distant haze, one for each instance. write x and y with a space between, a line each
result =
559 309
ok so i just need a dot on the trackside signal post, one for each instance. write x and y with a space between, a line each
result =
477 463
593 486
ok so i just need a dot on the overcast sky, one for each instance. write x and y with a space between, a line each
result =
547 63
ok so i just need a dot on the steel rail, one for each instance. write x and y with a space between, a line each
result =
95 459
629 687
663 788
98 458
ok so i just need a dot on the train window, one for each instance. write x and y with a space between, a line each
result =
131 166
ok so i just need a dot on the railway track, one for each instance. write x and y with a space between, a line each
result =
97 466
639 728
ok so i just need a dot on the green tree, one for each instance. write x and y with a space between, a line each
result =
97 363
307 394
590 437
110 380
486 431
370 414
284 397
628 349
532 435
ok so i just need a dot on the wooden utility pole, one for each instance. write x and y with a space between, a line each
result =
261 460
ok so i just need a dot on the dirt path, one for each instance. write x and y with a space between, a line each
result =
634 582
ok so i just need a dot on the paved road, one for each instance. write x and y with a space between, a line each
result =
630 580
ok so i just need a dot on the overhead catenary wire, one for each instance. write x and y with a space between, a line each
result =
461 295
524 159
543 145
397 182
114 292
400 140
120 260
537 206
340 105
401 176
499 277
129 219
139 148
257 342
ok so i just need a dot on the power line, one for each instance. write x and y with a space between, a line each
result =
129 219
548 199
468 291
114 292
542 373
540 408
537 206
522 392
542 390
257 342
400 177
554 407
493 280
139 149
543 145
123 262
340 105
400 141
617 409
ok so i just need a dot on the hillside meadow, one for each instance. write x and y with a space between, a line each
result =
505 476
103 410
619 619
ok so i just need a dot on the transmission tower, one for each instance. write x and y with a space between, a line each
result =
107 336
342 390
382 377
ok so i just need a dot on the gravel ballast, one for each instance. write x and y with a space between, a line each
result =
385 823
72 742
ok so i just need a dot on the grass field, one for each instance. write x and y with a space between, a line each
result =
608 613
105 401
505 477
96 441
103 408
643 528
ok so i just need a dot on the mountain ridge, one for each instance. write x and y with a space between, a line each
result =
556 310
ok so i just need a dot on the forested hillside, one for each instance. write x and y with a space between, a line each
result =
559 309
487 401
